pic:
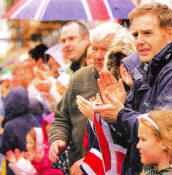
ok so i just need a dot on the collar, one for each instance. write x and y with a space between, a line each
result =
159 61
77 64
145 73
152 170
95 72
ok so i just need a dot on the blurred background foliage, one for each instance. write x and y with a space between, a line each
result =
15 34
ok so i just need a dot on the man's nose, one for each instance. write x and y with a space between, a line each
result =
140 39
100 54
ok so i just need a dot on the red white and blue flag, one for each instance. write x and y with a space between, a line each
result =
49 10
107 157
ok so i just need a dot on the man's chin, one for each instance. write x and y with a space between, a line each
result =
143 161
71 58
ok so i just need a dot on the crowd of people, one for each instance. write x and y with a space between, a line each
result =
99 102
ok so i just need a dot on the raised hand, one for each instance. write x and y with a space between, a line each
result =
85 107
10 156
18 154
109 111
108 83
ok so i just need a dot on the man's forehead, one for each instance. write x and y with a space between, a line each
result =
70 26
72 29
144 22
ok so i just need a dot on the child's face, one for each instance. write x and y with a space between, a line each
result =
30 143
149 147
125 75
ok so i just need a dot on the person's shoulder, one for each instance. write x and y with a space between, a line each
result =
167 69
169 64
85 69
11 124
84 72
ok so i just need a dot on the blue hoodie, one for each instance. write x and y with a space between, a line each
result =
17 122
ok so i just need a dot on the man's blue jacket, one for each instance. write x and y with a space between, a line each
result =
152 90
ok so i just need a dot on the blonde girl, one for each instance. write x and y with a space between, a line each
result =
155 142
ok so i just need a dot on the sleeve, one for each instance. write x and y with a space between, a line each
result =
8 139
61 125
130 98
22 167
128 122
164 89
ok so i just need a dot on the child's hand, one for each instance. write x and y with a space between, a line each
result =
10 156
18 154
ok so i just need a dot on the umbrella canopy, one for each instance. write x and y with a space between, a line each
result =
50 10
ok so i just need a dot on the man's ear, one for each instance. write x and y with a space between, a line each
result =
87 40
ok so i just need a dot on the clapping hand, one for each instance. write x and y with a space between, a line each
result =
108 83
113 94
109 111
85 106
13 157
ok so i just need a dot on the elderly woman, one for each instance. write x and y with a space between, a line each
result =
121 47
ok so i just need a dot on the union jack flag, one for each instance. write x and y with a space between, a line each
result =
104 156
49 10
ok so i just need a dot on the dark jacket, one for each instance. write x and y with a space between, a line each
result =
152 90
69 124
17 122
77 64
36 109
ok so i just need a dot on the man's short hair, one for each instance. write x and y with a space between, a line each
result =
84 31
105 29
39 52
162 11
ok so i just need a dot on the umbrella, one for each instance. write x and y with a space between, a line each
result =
50 10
